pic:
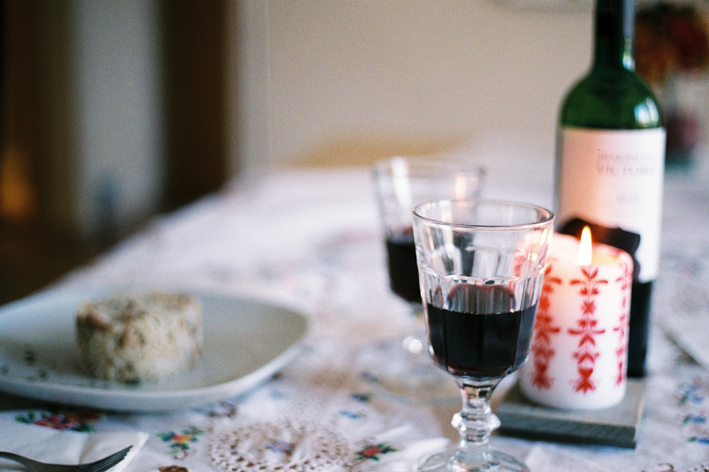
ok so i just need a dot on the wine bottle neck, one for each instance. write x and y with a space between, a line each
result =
614 30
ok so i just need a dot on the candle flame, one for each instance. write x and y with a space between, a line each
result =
585 247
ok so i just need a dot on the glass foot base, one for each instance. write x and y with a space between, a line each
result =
442 462
412 378
419 387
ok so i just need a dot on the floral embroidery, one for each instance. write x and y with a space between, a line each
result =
180 443
700 468
666 467
369 377
373 451
671 468
361 397
173 468
224 409
70 420
697 423
353 415
283 447
690 393
695 420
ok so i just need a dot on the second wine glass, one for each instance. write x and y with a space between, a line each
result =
401 183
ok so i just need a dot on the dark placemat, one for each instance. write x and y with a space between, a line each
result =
614 426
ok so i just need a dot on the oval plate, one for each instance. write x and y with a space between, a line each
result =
246 340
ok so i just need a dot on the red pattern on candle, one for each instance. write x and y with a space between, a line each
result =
544 329
586 354
623 322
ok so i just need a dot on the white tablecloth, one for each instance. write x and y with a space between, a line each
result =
313 238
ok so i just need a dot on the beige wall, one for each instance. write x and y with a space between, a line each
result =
346 81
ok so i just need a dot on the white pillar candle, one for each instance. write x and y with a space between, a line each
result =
579 349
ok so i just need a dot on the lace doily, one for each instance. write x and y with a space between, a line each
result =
278 447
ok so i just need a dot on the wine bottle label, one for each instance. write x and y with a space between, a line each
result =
612 181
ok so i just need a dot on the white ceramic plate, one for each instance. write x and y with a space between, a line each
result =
245 342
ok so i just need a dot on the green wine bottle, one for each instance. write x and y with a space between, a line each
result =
610 163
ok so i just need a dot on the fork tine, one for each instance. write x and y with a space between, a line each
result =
105 463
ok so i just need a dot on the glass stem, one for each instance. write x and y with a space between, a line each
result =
475 422
415 341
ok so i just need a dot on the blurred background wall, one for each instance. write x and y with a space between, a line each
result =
114 111
345 81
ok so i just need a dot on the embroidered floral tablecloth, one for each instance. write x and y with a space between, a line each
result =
313 237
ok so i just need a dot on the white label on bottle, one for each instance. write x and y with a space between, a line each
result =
614 179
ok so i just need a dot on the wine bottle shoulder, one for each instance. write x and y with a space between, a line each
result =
610 100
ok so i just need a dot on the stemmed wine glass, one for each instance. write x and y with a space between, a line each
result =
400 184
481 267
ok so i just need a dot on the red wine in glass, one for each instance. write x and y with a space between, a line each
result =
480 336
403 270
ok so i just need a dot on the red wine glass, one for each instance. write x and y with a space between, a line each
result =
481 267
401 183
